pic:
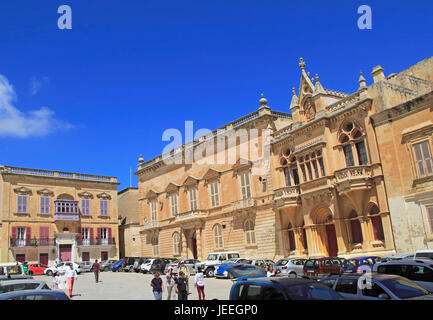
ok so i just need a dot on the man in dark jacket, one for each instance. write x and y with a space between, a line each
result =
181 287
95 268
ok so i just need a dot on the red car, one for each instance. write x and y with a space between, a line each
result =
36 268
322 267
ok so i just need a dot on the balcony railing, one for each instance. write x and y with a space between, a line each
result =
190 215
95 242
151 225
66 216
352 173
244 204
31 242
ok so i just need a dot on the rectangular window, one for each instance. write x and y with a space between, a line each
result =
154 210
103 208
173 202
362 153
423 158
193 199
44 205
214 194
348 155
245 185
287 176
85 233
430 217
322 167
310 175
316 169
21 236
85 207
21 204
304 175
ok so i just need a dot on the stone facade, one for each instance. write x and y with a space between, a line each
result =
335 183
129 228
43 218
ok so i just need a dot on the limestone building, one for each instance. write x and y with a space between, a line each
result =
336 184
129 228
48 216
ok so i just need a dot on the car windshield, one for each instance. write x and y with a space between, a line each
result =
244 270
428 255
351 263
311 291
404 288
331 262
212 257
282 262
14 270
229 261
269 262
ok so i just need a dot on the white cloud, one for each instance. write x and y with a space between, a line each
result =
14 123
36 84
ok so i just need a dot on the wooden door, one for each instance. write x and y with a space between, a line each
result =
104 255
65 252
85 256
332 240
43 258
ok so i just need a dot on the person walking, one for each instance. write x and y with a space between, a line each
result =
71 277
171 281
95 268
181 287
58 281
25 267
157 285
199 283
186 273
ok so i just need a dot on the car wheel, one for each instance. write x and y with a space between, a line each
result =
210 273
292 274
49 273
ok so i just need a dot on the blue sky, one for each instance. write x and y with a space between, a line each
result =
93 98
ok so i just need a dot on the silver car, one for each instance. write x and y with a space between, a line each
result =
19 285
85 266
291 267
192 265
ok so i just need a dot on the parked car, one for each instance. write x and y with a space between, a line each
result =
424 254
191 264
221 271
12 271
214 259
354 265
138 262
382 287
106 264
117 266
245 270
172 263
36 268
291 267
419 271
20 285
283 288
398 256
158 265
259 262
145 266
85 266
35 295
62 267
322 267
128 263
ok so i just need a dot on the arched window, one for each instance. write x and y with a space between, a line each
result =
304 237
176 243
155 245
355 228
376 221
250 232
292 243
218 236
290 167
350 135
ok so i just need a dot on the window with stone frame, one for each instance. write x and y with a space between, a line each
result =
22 203
423 158
218 236
245 185
153 210
352 140
44 203
85 207
312 166
174 204
193 203
176 243
290 168
155 245
250 232
214 193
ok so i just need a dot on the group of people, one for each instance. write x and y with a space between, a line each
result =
270 272
180 284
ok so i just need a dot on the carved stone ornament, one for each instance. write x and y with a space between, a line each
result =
23 190
45 192
104 196
85 195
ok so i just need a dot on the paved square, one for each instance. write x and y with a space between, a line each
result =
135 286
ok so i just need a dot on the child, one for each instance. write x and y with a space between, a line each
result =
199 283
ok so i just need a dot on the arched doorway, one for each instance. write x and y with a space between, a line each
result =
326 235
194 245
332 238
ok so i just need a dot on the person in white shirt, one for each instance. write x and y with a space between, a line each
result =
271 272
199 283
71 276
58 281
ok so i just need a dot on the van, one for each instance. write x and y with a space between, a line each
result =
214 259
424 254
12 271
323 267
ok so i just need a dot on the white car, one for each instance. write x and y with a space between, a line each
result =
145 266
61 268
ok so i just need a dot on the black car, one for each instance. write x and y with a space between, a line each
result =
128 263
159 264
245 270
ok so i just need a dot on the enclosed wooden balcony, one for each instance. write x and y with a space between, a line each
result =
66 210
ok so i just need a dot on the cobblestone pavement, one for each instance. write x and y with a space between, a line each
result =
134 286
